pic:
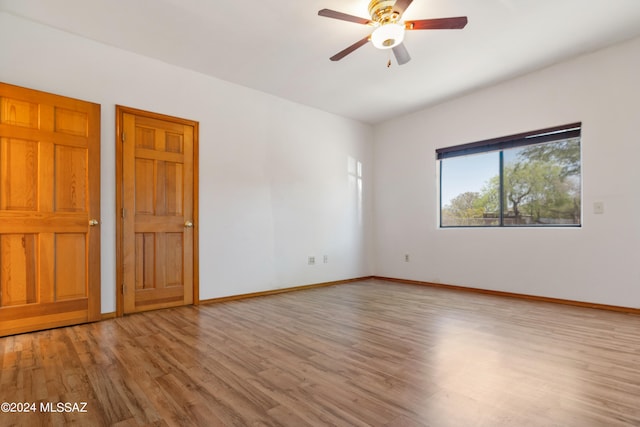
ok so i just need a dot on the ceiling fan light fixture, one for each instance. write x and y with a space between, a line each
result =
388 36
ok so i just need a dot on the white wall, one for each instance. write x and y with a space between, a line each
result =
599 262
274 187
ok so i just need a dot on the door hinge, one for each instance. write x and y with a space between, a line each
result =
123 213
123 288
123 136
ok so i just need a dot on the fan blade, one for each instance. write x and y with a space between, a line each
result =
402 54
401 6
328 13
456 23
338 56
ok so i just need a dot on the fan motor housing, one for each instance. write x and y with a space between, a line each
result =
382 12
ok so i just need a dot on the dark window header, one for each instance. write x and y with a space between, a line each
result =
518 140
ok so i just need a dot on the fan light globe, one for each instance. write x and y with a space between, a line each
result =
388 36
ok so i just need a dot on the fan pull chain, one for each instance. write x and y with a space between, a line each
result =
389 60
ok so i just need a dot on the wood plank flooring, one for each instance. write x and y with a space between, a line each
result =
370 353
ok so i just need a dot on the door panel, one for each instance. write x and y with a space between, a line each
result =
18 261
70 179
70 266
158 203
18 174
49 189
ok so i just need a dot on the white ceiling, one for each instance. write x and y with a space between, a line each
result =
282 47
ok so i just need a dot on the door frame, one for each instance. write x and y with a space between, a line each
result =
120 112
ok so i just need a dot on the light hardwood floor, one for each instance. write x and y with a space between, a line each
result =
369 353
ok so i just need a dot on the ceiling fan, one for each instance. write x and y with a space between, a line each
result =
386 16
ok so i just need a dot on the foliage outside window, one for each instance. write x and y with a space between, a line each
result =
530 179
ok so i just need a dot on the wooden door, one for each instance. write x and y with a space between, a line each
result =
158 210
49 196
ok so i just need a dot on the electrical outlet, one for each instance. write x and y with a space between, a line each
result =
325 259
312 260
406 257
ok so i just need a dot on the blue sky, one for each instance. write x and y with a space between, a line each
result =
467 173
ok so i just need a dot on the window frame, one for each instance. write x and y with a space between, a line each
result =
541 136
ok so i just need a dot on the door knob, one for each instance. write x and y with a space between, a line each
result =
188 224
93 222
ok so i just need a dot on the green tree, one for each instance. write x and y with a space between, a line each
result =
489 199
539 190
522 184
565 153
462 210
559 181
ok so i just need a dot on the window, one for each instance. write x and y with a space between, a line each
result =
529 179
